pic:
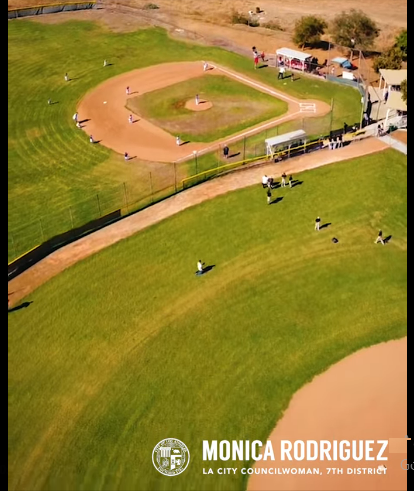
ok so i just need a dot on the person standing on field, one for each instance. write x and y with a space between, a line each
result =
283 180
269 196
197 99
255 56
178 140
379 238
290 181
200 267
317 223
226 151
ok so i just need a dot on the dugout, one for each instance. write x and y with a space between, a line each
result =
284 143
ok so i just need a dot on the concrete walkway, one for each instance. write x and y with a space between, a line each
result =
394 143
20 286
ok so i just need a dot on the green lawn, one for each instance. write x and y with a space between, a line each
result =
235 107
54 174
129 347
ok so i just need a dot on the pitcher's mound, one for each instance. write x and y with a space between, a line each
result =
202 106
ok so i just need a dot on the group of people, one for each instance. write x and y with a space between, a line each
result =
268 182
336 142
257 56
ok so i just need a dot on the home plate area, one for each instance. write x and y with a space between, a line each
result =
307 107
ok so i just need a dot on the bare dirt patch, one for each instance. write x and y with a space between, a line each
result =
363 397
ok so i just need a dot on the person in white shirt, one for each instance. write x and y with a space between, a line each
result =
178 141
264 181
75 117
200 267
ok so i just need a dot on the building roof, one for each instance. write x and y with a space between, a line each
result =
292 53
286 138
393 77
395 101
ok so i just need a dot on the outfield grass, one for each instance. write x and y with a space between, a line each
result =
54 173
129 347
235 107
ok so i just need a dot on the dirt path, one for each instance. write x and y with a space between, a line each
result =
362 397
68 255
105 116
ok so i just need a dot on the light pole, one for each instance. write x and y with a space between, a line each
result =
352 48
362 109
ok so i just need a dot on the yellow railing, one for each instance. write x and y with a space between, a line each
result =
223 168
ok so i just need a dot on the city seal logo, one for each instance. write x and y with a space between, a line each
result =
170 457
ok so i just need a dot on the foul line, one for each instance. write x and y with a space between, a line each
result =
239 137
255 84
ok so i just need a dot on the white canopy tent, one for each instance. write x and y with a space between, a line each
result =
292 58
286 140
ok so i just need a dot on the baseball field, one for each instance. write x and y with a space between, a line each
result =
51 162
129 346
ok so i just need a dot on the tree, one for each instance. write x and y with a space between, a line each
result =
404 90
308 30
354 30
391 60
401 43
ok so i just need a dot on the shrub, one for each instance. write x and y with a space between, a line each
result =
404 90
390 60
150 6
274 25
308 30
354 30
238 18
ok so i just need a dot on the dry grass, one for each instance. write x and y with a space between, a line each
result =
391 16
